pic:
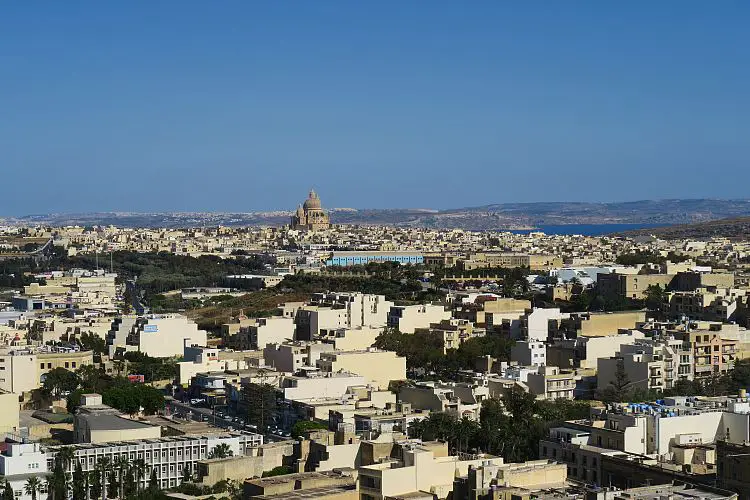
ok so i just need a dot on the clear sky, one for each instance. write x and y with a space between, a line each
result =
244 105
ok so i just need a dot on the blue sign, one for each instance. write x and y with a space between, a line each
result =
150 328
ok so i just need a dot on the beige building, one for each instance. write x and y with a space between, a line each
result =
406 319
648 365
379 367
583 352
303 485
550 382
95 422
422 469
19 372
631 286
23 370
157 335
484 480
453 332
310 215
258 332
590 324
350 339
510 260
9 416
334 310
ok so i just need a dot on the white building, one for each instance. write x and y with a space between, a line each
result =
291 357
169 457
315 384
535 325
157 335
327 311
529 353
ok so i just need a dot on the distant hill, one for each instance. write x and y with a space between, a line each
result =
734 228
501 216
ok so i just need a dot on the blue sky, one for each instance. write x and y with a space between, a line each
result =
243 105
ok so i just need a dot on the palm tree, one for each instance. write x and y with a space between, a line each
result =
221 451
66 455
139 470
103 465
32 486
121 463
49 484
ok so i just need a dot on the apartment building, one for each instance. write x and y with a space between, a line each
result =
315 384
157 335
595 324
583 352
406 319
9 416
690 280
631 286
258 332
509 260
453 332
529 353
458 398
169 457
714 353
536 324
290 357
550 382
379 368
709 304
350 339
648 365
327 311
23 369
421 471
485 480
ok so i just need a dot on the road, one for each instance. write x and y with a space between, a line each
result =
207 415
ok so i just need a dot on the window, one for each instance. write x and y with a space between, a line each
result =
41 365
67 365
74 364
49 365
544 451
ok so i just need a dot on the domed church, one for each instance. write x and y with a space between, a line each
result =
310 215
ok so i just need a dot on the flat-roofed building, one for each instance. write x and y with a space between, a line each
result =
406 319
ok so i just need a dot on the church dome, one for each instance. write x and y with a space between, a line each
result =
312 201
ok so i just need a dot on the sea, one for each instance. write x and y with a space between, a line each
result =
587 229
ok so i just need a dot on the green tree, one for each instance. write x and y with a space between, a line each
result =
153 481
65 456
739 378
302 426
139 470
121 464
220 451
261 400
32 486
281 470
59 486
58 381
103 465
112 490
79 482
655 296
92 342
8 492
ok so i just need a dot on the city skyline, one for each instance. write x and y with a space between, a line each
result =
241 107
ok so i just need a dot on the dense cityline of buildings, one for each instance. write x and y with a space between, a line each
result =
318 357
